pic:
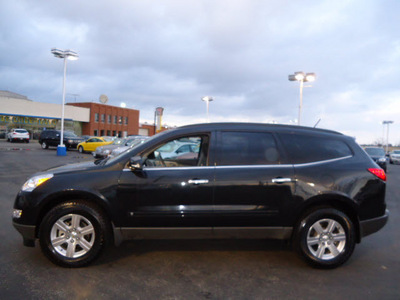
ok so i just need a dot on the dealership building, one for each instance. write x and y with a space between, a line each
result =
83 118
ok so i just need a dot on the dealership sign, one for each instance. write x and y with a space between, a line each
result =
27 120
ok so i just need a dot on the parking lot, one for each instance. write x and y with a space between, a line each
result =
188 269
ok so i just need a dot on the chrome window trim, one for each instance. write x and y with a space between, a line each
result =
246 166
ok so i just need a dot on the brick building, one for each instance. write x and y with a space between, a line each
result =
107 120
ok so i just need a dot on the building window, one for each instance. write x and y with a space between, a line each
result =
109 119
114 133
119 134
102 132
95 133
115 119
96 117
120 120
126 120
108 132
103 118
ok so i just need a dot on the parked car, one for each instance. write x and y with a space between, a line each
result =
174 149
18 134
104 151
92 144
315 187
394 157
52 138
129 144
378 155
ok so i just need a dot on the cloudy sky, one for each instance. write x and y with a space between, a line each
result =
171 53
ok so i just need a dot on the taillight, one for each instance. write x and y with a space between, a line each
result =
378 173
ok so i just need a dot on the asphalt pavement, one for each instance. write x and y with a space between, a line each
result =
188 269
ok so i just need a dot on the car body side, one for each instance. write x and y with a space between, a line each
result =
338 183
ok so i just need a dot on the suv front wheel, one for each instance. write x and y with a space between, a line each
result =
73 234
325 238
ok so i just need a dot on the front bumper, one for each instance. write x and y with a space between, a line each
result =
28 233
371 226
395 160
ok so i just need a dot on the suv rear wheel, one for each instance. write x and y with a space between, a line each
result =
73 234
325 238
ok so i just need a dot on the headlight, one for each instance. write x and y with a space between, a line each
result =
382 159
70 141
35 181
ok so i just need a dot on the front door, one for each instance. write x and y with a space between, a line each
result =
169 192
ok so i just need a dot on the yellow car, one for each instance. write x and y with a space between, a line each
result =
92 143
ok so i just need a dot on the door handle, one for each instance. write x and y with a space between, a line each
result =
281 180
198 181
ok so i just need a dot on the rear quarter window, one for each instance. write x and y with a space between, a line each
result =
307 148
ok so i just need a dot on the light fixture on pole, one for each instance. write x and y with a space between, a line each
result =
387 133
302 77
71 55
207 99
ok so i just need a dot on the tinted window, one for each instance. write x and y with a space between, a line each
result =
306 148
247 148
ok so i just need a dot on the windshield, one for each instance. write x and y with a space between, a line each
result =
69 134
119 141
375 151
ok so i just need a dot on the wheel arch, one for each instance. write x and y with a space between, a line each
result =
336 201
55 199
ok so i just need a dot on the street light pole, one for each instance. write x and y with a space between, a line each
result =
71 55
301 77
387 133
207 99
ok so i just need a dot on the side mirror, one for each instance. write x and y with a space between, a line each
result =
136 163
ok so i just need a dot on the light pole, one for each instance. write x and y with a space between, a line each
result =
71 55
387 133
207 99
302 77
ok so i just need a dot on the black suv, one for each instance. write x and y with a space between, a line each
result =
52 138
315 187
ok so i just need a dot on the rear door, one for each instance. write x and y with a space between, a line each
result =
252 185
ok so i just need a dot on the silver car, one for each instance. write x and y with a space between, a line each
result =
18 134
105 151
394 157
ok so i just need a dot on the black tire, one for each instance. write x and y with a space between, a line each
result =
331 246
74 245
44 145
80 149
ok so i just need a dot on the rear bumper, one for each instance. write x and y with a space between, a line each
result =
373 225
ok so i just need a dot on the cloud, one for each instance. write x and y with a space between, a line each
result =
171 53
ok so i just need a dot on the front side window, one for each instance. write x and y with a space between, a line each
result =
303 148
186 151
247 148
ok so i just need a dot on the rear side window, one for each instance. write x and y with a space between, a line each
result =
247 148
306 148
